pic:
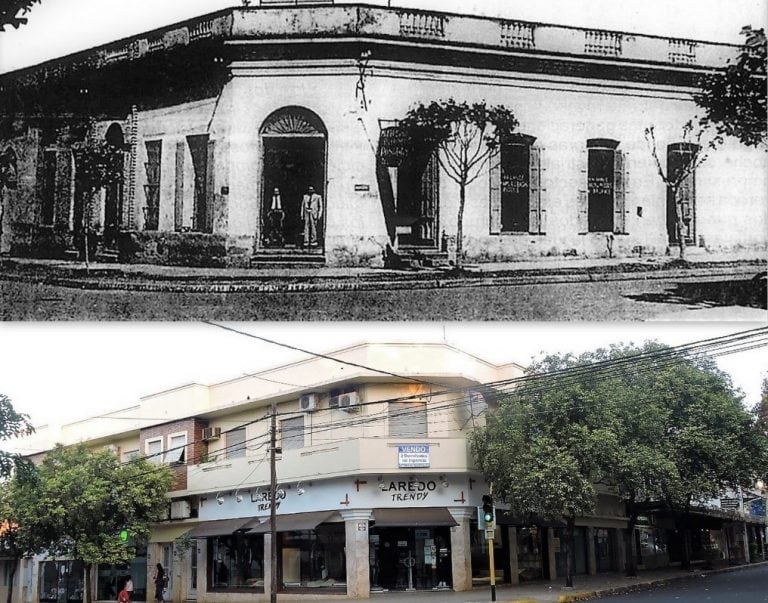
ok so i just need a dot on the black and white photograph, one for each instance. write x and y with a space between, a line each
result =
384 301
320 160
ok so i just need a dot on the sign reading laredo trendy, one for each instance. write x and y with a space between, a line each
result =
413 456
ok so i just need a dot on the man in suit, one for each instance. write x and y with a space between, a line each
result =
311 213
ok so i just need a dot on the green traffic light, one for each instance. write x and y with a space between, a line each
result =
488 517
124 535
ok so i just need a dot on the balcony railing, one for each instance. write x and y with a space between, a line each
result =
422 25
515 34
603 43
682 52
204 29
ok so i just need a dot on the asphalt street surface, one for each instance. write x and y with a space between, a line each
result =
621 300
744 586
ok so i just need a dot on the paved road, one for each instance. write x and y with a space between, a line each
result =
745 586
621 300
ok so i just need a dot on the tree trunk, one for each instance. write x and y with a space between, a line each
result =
460 224
629 544
11 575
569 552
679 223
87 586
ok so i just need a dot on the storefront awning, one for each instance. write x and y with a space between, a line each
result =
433 516
293 522
219 527
170 533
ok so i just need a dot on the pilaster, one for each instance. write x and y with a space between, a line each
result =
514 570
461 553
356 524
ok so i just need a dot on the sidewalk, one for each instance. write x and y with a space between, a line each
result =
147 277
586 588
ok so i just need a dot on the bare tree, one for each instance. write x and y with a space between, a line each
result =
695 149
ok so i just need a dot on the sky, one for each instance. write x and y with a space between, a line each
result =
68 371
58 27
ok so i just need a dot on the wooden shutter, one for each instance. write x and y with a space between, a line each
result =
178 191
210 185
583 205
619 193
534 191
495 190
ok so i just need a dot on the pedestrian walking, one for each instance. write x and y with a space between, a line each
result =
129 587
161 582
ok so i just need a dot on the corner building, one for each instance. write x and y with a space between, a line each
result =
213 115
376 488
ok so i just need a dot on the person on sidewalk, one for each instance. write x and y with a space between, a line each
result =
160 583
129 587
123 597
311 213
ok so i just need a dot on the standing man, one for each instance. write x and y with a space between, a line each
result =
311 212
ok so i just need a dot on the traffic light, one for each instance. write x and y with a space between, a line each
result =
488 511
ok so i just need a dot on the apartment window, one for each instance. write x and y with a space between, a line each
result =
131 455
292 433
152 187
154 450
236 443
515 187
407 419
602 196
177 448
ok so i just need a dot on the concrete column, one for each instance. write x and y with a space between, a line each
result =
357 549
591 553
551 561
514 570
267 565
461 549
620 550
202 565
746 543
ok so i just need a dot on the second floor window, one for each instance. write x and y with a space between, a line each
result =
236 443
407 419
177 448
292 433
154 450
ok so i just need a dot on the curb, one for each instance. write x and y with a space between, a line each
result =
143 283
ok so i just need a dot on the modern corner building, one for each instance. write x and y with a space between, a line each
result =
222 123
376 488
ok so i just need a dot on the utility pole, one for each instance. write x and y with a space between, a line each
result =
272 510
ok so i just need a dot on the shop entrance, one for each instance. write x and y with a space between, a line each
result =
404 558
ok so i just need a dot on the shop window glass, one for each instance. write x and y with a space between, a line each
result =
314 558
236 443
402 558
530 562
236 562
110 579
579 548
407 419
61 581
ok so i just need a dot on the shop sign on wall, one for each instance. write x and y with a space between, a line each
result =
413 455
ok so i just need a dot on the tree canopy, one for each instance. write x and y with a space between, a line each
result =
12 12
647 424
12 425
464 136
79 501
734 99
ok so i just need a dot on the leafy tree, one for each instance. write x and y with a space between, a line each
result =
762 407
82 499
734 99
98 164
694 152
465 136
544 448
13 424
10 9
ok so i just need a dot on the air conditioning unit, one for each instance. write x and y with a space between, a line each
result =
308 402
348 401
180 509
211 433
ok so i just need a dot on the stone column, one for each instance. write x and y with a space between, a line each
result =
514 570
746 543
357 547
551 561
591 553
202 565
461 548
267 564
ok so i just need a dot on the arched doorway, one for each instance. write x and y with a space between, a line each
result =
113 199
294 147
